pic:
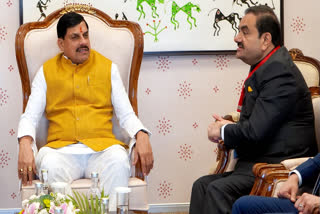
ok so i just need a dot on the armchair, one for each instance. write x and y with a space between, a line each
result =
120 41
270 176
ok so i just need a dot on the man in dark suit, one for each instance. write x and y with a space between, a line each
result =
276 114
288 201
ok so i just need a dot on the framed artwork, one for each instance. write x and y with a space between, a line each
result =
169 26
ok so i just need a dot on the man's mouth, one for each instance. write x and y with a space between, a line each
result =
240 45
82 49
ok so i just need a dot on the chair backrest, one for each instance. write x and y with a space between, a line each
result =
120 41
310 69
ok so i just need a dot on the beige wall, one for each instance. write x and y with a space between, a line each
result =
177 96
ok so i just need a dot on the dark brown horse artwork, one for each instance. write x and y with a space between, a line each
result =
270 2
233 19
42 6
246 2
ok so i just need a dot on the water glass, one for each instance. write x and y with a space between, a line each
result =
39 188
59 187
104 205
122 200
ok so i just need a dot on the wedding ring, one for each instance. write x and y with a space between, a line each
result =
301 205
29 168
21 171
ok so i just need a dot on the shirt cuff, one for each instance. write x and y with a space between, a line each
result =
26 128
133 126
299 175
222 131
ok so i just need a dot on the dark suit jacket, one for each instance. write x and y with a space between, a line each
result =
276 121
310 170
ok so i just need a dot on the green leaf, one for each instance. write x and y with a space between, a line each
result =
97 206
34 200
84 202
91 201
82 198
87 210
49 197
74 201
77 195
102 193
86 205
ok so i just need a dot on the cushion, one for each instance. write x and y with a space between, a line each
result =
310 73
291 164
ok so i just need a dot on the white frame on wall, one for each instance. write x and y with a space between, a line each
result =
209 30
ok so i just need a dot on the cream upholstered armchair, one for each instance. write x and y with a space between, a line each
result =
269 177
120 41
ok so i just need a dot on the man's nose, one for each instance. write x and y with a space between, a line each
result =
83 40
237 38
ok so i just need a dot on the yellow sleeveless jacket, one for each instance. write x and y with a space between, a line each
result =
78 104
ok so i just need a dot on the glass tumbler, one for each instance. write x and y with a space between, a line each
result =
59 187
122 200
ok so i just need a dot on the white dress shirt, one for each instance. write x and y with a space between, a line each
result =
298 174
222 131
37 104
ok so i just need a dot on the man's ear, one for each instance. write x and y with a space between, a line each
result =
61 44
266 40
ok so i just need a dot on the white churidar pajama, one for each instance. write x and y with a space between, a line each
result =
112 165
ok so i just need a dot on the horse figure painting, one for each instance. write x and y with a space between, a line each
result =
244 2
220 17
253 4
42 6
151 3
187 9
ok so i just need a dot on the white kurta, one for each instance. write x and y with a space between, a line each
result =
77 160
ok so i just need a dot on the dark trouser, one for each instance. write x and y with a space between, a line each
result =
259 205
216 193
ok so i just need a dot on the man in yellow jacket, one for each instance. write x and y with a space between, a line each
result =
79 89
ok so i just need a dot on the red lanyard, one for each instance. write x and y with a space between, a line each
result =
250 74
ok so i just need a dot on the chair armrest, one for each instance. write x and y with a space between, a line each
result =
267 175
225 158
259 168
228 117
315 91
232 116
268 180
